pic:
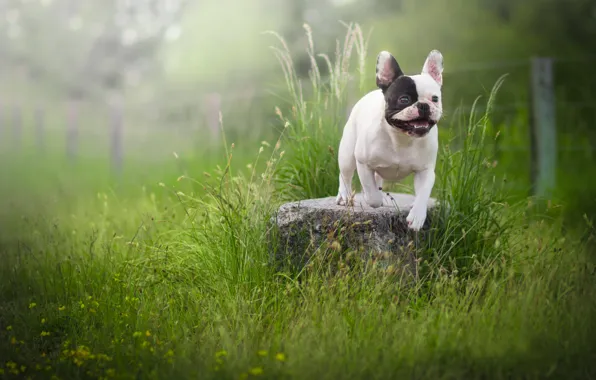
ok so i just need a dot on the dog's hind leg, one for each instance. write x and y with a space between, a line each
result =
347 166
372 194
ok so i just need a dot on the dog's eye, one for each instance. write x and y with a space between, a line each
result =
435 98
404 99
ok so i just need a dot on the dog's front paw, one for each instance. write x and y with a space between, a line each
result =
344 199
374 199
416 218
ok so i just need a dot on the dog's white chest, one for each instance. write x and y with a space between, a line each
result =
394 173
395 166
394 157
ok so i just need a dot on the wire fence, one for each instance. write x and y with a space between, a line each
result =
190 121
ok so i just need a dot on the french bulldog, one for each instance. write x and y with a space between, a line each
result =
392 132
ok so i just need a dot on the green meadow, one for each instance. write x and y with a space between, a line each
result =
163 271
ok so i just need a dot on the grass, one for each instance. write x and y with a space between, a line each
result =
171 280
313 126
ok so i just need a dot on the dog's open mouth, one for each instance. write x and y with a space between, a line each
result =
417 127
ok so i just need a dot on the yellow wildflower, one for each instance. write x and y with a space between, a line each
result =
280 356
221 353
45 333
43 321
147 333
61 308
257 371
103 357
32 305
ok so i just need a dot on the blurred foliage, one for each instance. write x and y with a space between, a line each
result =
215 43
165 57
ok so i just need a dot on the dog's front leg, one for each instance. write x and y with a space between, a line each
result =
372 195
423 185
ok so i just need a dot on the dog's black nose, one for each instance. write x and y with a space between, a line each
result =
424 109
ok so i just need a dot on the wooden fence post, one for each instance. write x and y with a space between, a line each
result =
543 127
39 130
2 125
17 126
72 130
117 122
212 110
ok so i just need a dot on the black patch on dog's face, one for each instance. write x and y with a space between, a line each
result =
400 95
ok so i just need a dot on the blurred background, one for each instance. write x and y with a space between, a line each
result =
105 92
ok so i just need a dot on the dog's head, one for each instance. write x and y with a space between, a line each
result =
412 102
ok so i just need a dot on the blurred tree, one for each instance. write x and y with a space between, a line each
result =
222 43
551 27
86 48
214 53
323 18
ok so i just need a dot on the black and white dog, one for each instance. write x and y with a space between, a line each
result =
390 135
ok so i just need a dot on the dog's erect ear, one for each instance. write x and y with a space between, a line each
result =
387 70
434 66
